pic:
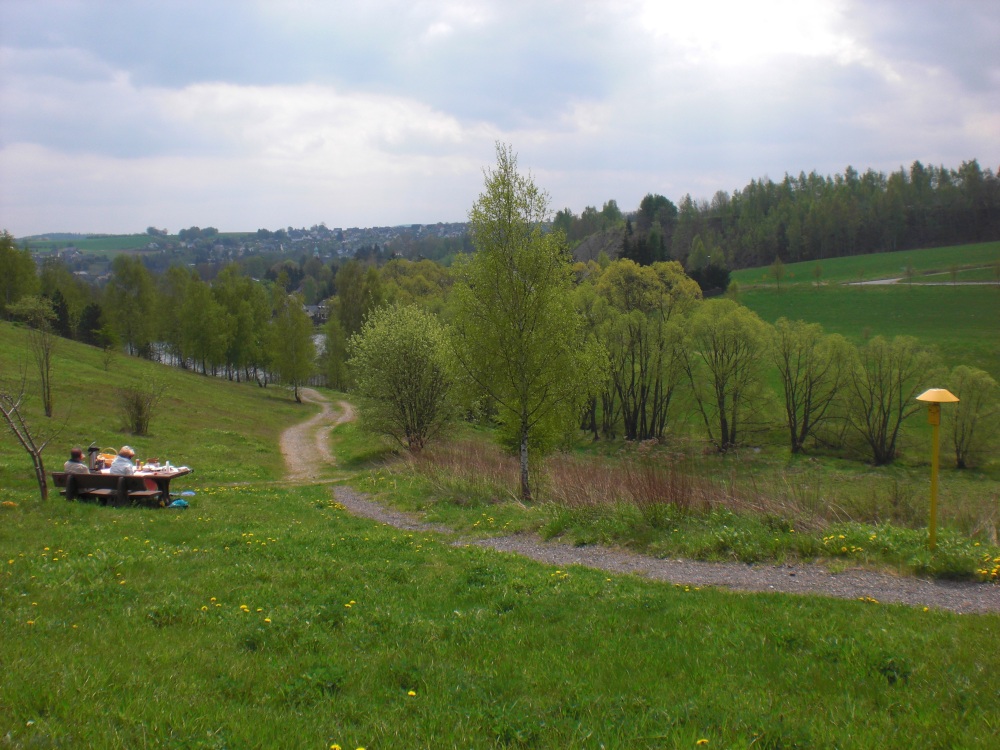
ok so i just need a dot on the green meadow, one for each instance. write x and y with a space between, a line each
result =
961 322
265 615
938 260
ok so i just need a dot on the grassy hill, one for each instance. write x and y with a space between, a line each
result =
266 616
938 260
961 321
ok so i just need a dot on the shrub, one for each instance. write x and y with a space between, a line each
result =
137 404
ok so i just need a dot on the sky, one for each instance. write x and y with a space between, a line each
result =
116 115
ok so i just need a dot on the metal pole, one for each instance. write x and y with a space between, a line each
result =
934 417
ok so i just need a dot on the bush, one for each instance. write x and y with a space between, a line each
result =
136 405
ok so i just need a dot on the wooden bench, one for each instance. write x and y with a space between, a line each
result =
108 489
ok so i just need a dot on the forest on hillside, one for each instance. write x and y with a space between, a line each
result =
808 217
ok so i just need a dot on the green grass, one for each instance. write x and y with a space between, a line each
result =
878 265
267 616
962 322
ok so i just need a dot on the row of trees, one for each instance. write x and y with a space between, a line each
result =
635 350
809 217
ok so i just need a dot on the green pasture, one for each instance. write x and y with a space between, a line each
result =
267 616
962 322
880 265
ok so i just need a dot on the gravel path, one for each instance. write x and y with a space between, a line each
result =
303 443
306 446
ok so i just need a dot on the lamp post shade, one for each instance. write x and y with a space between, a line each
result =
938 396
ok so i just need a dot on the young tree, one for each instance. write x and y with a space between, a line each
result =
725 353
813 367
12 409
400 363
130 304
334 359
293 353
777 271
882 392
974 422
38 314
517 334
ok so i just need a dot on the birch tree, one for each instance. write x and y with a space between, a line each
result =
517 334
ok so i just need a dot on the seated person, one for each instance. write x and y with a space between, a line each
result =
75 465
123 462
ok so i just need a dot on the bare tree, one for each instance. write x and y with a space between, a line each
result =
37 312
11 406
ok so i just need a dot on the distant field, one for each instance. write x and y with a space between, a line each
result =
963 322
880 265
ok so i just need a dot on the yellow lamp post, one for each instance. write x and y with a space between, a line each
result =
934 397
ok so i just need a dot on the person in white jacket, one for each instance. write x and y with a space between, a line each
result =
123 462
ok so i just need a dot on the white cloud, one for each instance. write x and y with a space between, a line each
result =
242 115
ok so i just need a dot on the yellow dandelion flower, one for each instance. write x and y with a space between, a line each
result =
701 742
412 693
267 620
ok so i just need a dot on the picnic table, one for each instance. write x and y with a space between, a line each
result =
147 487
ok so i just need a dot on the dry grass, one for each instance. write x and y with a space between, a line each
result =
654 482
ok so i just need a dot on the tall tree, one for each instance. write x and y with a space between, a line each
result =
813 368
293 354
130 303
882 390
518 336
726 350
644 339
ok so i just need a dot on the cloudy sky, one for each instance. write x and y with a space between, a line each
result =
117 114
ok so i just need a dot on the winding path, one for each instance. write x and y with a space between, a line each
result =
304 443
306 446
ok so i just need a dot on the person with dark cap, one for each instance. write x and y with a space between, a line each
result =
75 465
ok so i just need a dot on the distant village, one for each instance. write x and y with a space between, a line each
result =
88 256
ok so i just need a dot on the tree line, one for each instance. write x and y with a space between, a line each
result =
805 217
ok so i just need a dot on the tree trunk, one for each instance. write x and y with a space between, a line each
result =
525 489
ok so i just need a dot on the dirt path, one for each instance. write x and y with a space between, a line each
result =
306 446
305 443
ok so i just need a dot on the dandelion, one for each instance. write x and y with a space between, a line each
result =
701 742
267 620
204 608
412 693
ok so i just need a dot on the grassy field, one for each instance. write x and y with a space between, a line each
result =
266 616
880 265
962 322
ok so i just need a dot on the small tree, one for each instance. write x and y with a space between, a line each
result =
882 391
974 422
11 406
817 273
37 312
777 271
400 361
137 404
813 367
